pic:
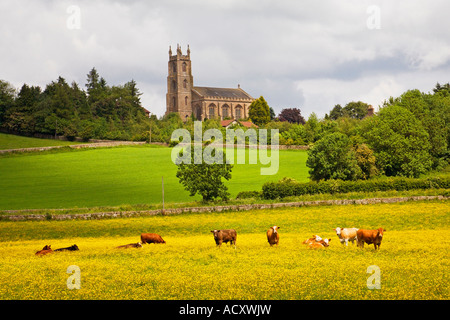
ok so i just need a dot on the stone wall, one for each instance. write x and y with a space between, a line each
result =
239 207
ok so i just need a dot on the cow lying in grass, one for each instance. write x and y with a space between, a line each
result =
71 248
151 238
317 242
131 245
45 250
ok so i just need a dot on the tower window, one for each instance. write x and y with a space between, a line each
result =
184 66
174 84
186 99
185 83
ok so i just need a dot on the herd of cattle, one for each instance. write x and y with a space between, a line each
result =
345 235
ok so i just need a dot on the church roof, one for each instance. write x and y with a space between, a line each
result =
222 92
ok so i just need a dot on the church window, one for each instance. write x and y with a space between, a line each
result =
174 67
211 111
174 84
185 83
238 112
186 100
174 102
184 66
224 112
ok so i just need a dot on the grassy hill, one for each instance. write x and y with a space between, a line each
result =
116 176
10 141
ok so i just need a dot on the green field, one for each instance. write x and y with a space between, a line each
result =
116 176
413 257
10 141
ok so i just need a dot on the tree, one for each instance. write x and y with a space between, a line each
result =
356 110
332 157
336 112
205 179
291 115
7 95
399 141
259 112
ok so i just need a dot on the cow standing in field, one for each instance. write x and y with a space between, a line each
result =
131 245
227 235
346 234
71 248
45 250
369 237
151 238
273 237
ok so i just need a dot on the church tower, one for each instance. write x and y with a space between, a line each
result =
179 84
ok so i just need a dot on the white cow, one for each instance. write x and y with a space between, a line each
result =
346 234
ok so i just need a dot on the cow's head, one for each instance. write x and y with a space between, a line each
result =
317 238
326 242
75 247
139 244
380 232
215 233
47 247
338 231
275 229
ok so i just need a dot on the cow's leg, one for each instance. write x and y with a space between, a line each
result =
346 242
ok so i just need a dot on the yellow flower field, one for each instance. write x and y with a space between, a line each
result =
413 257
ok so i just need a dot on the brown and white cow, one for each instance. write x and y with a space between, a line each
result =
315 238
226 235
346 234
151 238
369 237
319 244
273 236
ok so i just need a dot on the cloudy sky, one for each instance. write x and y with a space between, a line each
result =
296 53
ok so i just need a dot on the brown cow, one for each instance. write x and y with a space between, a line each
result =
227 235
151 238
273 236
131 245
45 250
369 237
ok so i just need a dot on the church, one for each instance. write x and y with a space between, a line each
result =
202 102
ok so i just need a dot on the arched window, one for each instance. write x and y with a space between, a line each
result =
174 67
174 102
212 108
184 66
225 111
238 112
185 83
186 99
174 84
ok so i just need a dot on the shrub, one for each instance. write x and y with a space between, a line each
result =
289 187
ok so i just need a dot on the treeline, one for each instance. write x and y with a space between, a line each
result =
101 111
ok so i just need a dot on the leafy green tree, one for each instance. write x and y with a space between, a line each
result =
399 141
336 112
259 111
205 179
7 96
332 157
356 110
